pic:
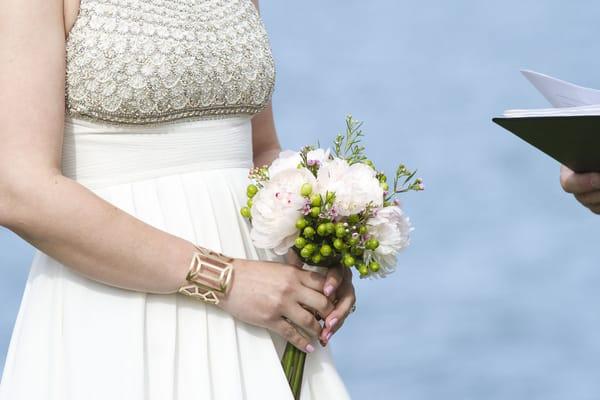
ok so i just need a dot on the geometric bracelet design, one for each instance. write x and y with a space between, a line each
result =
209 272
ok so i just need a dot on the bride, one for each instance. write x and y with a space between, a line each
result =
127 129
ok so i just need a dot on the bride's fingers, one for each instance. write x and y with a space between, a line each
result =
315 301
334 278
312 279
290 333
337 317
304 320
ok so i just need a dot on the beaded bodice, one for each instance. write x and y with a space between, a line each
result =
148 61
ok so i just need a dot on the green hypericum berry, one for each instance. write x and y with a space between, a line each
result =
311 246
322 229
340 232
362 229
356 251
338 244
349 260
301 223
374 266
353 241
305 252
315 211
363 270
315 200
372 244
316 258
300 242
326 250
309 231
245 211
306 189
251 190
330 228
385 186
249 203
329 198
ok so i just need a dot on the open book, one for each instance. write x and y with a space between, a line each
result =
569 132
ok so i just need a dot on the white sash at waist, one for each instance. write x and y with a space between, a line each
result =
102 155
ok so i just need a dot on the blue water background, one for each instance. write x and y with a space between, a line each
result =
498 296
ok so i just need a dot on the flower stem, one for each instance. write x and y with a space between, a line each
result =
297 379
293 366
287 363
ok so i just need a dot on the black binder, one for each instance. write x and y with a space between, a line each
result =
571 140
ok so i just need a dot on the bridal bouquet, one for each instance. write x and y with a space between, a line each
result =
331 208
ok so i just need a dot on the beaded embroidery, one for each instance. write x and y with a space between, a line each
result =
149 61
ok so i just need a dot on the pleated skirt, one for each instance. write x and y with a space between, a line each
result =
78 339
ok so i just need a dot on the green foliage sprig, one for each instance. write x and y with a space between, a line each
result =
347 145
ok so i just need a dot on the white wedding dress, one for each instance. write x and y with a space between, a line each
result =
159 99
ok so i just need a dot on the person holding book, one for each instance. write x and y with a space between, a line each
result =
585 187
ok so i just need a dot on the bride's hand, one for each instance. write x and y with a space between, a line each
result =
265 293
338 287
340 279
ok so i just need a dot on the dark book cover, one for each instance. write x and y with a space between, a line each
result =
571 140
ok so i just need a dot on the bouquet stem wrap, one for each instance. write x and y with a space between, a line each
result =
294 358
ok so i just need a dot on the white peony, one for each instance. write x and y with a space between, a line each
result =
277 207
391 227
354 185
286 160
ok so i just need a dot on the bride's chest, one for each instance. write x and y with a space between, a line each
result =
136 61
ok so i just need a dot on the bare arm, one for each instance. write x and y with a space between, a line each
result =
265 143
56 214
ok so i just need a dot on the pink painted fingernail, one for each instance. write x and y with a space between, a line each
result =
310 348
328 289
328 336
332 323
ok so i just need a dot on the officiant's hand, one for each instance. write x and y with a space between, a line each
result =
274 295
585 187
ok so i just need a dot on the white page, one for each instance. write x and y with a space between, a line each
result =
554 112
560 93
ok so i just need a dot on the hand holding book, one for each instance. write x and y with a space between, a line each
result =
570 132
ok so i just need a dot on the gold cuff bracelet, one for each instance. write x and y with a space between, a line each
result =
209 272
